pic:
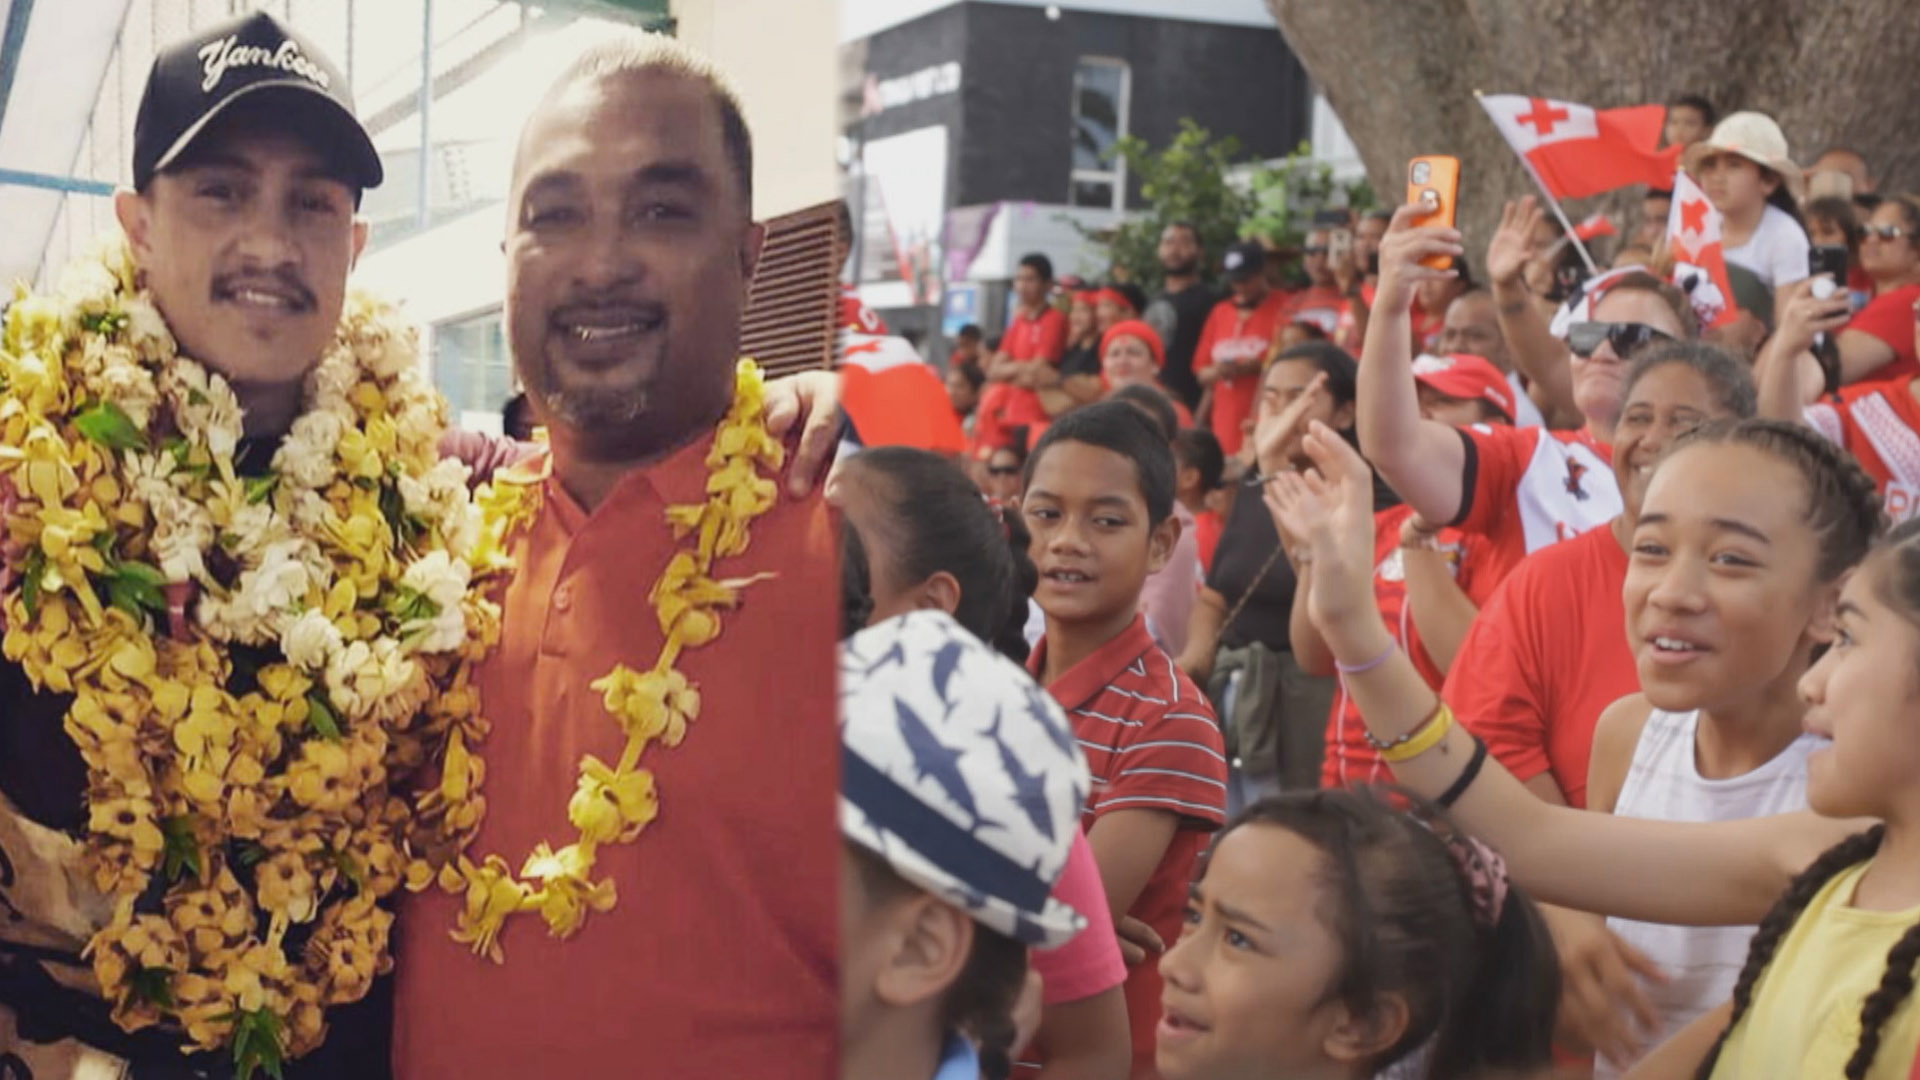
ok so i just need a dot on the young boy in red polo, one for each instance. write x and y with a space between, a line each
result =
1099 502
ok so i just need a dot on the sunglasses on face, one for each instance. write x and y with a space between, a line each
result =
1003 470
1316 249
1884 232
1626 338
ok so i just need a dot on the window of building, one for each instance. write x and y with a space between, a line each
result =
472 367
1101 88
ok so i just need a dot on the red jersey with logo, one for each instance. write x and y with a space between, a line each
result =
1878 422
1152 743
1351 760
1526 488
1233 333
1322 305
1545 656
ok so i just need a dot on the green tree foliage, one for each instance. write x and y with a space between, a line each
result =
1188 180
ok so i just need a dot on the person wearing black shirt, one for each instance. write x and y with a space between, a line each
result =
1238 645
1180 311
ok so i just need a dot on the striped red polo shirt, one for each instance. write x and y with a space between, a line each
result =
1152 743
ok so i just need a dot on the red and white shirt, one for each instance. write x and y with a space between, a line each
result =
1526 488
1350 759
1878 423
1152 743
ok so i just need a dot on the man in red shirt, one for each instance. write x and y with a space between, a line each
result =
1322 302
1234 343
629 249
1028 360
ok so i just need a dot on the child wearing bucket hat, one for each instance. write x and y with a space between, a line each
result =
961 787
1749 176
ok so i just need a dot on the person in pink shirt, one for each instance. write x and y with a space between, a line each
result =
931 541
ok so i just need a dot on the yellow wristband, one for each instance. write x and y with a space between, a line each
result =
1436 730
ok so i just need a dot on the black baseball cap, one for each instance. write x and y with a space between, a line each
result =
1244 260
254 58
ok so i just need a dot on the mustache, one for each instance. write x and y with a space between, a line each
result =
633 307
278 281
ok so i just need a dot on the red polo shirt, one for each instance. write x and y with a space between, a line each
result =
1152 743
719 959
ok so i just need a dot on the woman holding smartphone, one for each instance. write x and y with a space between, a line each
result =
1877 343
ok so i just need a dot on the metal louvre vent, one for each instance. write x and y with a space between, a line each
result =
792 318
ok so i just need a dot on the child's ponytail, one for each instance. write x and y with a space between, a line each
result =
980 1004
1507 1023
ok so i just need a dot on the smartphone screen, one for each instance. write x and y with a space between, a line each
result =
1828 265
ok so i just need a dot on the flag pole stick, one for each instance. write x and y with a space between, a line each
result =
1553 203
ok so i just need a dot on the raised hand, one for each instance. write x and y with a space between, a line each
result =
1274 435
1330 509
1512 247
1400 253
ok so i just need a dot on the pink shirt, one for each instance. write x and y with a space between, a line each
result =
1167 598
1090 963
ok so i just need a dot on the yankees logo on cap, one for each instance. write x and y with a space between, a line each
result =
194 82
960 773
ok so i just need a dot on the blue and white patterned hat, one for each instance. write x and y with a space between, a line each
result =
960 772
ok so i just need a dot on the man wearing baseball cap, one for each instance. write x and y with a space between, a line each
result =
248 165
1235 341
248 168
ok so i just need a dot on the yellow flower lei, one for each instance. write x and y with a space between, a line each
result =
241 772
256 769
611 803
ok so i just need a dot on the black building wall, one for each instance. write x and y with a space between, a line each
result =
1010 126
1017 92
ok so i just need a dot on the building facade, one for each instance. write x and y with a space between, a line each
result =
980 129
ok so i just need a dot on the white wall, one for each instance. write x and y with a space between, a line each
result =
783 58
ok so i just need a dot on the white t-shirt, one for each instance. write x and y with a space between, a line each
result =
1776 252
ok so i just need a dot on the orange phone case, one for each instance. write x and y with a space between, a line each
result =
1433 181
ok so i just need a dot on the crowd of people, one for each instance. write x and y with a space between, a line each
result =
1358 673
1550 560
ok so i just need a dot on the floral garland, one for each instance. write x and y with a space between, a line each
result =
251 658
260 665
611 803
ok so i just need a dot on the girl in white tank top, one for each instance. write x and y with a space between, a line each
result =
1664 783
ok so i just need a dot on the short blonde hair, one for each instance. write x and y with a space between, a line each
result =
639 53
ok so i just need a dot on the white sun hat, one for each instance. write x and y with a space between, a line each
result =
960 773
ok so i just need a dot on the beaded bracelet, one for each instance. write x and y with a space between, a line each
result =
1426 740
1408 736
1357 669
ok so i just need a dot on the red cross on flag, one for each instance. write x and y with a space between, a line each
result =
1699 260
1577 150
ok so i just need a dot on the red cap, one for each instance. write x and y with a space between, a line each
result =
1087 297
1468 377
1136 328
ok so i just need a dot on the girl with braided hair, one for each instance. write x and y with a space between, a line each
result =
1827 986
1354 933
1722 626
